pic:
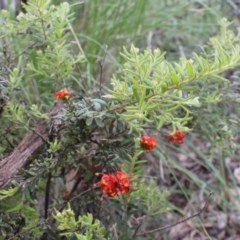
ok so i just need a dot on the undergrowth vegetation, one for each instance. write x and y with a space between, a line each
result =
134 108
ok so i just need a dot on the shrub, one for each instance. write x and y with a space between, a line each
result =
88 142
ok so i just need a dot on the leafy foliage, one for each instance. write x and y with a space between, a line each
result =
7 193
88 228
148 198
41 58
152 89
96 134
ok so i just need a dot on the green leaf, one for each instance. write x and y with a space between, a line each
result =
135 88
160 123
16 208
99 122
189 70
8 193
193 102
89 121
174 78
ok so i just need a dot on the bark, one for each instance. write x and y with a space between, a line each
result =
10 166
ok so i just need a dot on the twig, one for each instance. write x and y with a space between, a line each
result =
181 221
101 72
47 194
39 135
74 198
100 78
136 230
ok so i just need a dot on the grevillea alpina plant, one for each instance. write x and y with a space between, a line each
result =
83 146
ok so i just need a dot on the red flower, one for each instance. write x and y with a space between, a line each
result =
148 143
63 94
176 137
123 183
107 184
115 184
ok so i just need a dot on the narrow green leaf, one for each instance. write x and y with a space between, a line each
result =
174 78
164 87
135 88
161 122
8 193
189 70
16 208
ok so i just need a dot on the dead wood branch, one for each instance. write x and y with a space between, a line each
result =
10 165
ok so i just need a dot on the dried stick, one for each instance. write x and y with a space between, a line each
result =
47 195
10 165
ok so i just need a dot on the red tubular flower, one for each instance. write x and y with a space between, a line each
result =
63 94
148 143
176 137
123 183
107 184
115 184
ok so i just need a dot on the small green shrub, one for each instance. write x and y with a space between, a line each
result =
96 134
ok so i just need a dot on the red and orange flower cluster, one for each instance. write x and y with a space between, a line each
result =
176 137
63 94
148 143
115 184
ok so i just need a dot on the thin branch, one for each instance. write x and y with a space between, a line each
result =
100 78
76 38
47 194
39 134
101 72
181 221
136 230
74 198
